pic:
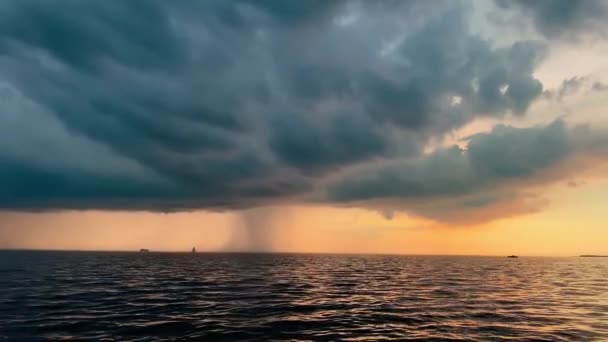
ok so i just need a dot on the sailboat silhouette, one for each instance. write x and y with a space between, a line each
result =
193 250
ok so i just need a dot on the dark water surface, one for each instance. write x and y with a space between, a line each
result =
216 297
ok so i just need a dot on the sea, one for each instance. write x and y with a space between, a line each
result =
111 296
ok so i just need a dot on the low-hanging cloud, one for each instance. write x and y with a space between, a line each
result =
157 105
494 168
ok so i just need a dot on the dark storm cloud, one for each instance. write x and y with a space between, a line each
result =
564 18
168 105
346 140
483 174
505 153
26 186
120 74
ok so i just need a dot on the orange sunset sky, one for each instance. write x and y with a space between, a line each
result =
572 223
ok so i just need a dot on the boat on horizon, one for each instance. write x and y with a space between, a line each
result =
512 256
193 249
144 250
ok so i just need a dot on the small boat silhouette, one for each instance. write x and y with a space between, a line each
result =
193 249
144 250
512 256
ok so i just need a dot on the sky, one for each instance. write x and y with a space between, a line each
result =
343 126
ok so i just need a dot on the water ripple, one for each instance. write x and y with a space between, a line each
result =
229 297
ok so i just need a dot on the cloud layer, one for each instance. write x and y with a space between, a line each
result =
494 169
158 105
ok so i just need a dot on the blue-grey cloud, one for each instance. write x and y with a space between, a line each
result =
504 153
564 18
484 173
347 139
162 105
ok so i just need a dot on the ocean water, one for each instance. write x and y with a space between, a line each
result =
298 297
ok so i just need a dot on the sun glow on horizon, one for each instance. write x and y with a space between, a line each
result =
568 226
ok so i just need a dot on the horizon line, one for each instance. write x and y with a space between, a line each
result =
282 252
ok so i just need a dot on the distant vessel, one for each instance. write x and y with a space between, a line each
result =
144 250
593 256
193 249
512 256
